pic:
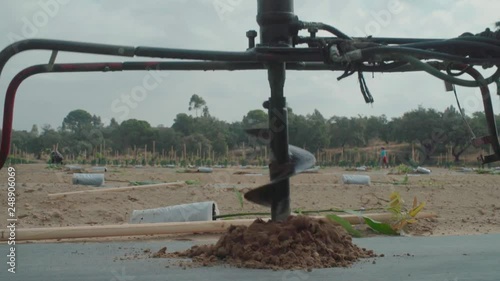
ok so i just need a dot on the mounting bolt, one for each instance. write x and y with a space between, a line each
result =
265 104
251 34
312 31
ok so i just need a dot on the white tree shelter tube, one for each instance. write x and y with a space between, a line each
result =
200 211
356 179
88 179
422 170
205 170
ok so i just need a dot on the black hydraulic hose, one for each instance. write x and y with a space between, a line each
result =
452 79
455 43
370 53
61 45
263 55
325 27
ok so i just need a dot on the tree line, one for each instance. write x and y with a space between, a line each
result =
202 136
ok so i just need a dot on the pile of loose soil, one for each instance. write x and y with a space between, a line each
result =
300 242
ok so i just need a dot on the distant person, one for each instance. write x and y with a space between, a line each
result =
480 161
56 157
383 158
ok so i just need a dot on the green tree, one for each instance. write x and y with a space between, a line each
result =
347 131
297 129
77 121
457 134
317 131
135 132
376 127
49 137
256 117
96 122
167 138
236 135
196 102
34 131
422 126
206 113
184 124
196 141
113 123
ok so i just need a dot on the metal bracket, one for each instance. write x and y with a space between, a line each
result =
52 60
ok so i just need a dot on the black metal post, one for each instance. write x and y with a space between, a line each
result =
275 18
278 124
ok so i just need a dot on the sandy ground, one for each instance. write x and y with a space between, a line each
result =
465 203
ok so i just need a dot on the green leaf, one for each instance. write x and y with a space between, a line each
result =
299 211
413 212
380 227
345 224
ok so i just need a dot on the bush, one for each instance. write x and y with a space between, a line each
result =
403 169
345 163
17 160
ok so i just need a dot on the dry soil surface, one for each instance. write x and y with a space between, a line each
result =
466 203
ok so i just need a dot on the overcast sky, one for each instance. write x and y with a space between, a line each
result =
198 24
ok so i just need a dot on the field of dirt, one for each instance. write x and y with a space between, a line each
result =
466 203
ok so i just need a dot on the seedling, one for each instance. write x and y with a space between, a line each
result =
239 196
402 216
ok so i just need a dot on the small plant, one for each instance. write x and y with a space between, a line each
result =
53 167
299 211
402 216
404 169
482 171
192 182
239 196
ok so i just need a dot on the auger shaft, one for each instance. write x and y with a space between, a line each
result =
278 125
275 18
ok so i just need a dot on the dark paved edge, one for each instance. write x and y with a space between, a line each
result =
445 258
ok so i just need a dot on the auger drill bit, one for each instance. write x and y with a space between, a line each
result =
273 194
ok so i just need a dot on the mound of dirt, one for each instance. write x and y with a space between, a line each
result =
300 242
